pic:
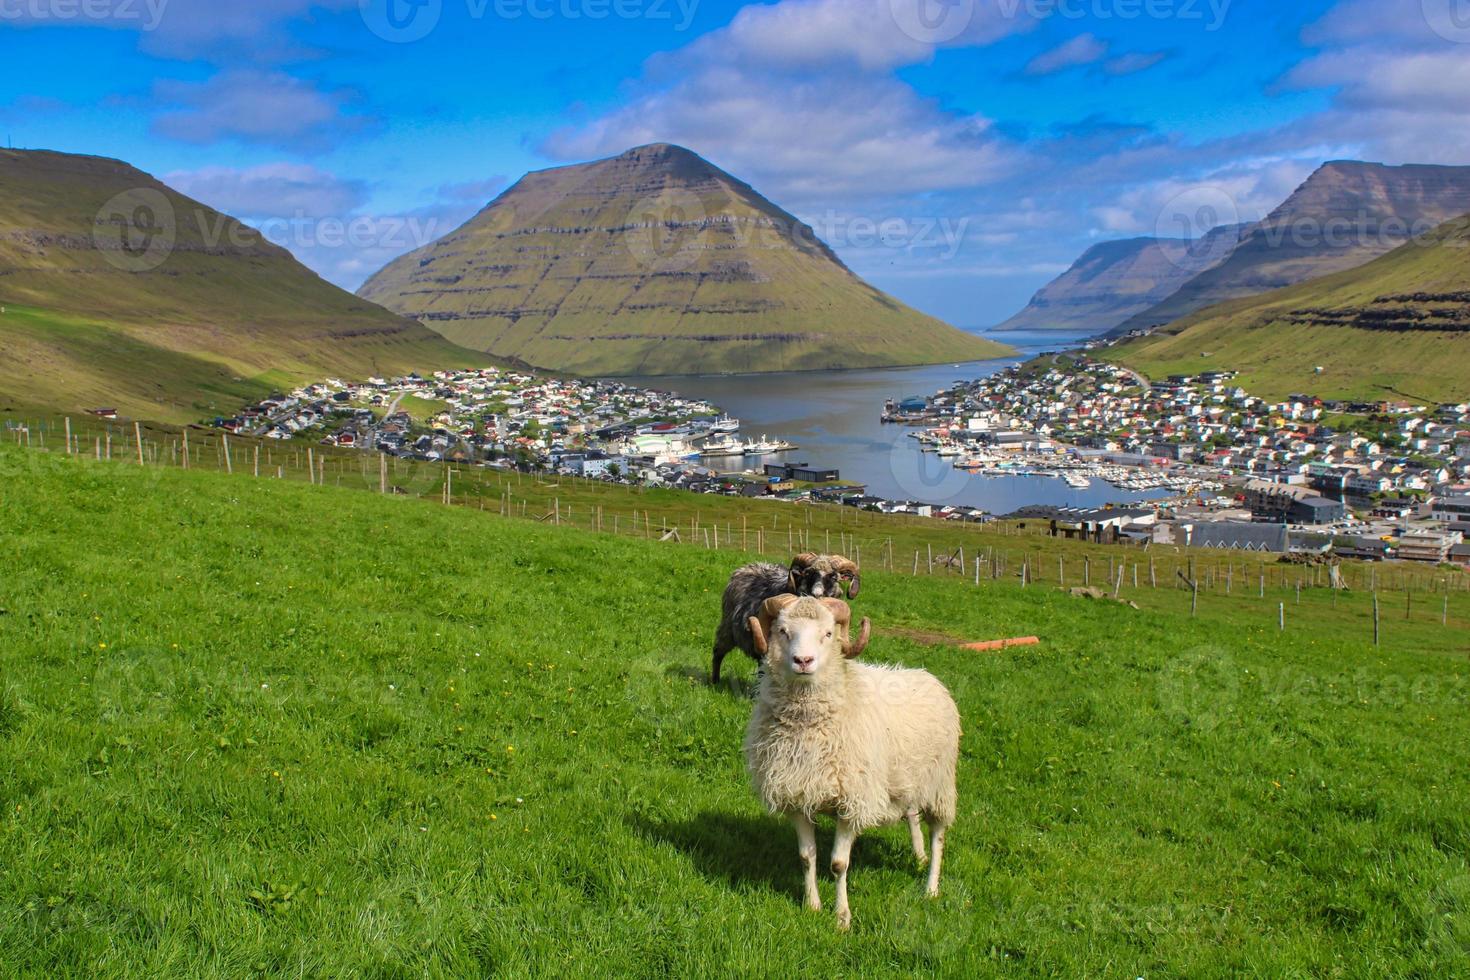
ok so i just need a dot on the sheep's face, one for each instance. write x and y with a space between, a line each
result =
802 645
818 583
801 637
823 577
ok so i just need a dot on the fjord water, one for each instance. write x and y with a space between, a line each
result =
834 417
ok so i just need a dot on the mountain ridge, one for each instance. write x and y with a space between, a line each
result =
656 262
1118 279
121 292
1347 213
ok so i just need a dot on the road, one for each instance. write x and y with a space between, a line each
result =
1143 382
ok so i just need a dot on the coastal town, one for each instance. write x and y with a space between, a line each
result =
1227 469
1371 480
506 419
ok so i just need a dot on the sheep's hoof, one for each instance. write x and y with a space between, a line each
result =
931 892
844 921
922 859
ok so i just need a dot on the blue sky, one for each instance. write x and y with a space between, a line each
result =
958 153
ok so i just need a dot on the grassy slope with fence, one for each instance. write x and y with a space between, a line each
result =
1160 577
255 726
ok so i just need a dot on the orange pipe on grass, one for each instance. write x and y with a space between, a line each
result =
1023 641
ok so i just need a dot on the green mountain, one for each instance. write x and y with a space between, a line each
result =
1347 213
1399 325
119 292
656 262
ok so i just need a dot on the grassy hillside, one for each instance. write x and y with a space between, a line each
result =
1400 324
656 262
255 727
173 311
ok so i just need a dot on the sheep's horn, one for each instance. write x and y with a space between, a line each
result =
856 647
760 625
758 635
799 564
840 611
775 606
848 569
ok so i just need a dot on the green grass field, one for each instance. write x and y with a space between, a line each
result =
255 727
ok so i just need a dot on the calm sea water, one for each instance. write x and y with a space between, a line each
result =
834 416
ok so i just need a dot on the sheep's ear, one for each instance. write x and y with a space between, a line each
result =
855 648
758 634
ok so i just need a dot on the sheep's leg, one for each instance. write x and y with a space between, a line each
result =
806 842
714 670
936 840
841 859
917 835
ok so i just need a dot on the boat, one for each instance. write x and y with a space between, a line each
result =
725 424
1077 481
950 452
765 447
724 447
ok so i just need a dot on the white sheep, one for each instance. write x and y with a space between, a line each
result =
868 745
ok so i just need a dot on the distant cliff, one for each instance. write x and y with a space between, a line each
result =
1114 281
1346 214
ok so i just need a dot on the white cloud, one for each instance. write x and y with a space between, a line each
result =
185 29
1084 49
1369 78
270 190
808 141
326 221
869 34
269 108
1134 62
800 97
1398 71
1187 208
